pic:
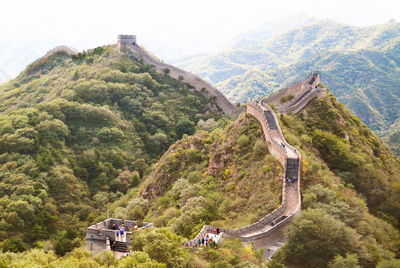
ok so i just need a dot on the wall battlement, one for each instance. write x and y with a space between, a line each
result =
126 41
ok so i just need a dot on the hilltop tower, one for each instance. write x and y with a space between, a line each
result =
126 40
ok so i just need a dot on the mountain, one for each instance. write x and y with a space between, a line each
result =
16 55
268 30
224 176
359 64
77 131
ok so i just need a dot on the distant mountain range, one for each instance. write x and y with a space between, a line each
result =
16 55
360 65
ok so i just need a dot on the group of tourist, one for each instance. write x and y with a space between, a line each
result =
119 234
291 181
209 239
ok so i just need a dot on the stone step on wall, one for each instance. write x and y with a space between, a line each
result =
272 125
302 97
120 246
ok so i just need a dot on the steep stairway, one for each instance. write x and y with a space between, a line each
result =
269 229
292 168
120 246
270 120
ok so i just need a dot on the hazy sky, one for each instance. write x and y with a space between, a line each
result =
186 26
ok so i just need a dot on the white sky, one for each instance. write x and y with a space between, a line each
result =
186 26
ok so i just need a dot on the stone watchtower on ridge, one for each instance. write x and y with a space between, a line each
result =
126 41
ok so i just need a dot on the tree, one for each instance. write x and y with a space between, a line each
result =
162 246
110 135
14 245
53 130
127 179
350 261
139 259
184 126
137 208
275 264
315 237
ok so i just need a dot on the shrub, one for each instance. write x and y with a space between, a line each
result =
184 126
243 140
14 245
110 135
286 98
315 237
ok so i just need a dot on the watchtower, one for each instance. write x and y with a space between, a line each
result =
126 40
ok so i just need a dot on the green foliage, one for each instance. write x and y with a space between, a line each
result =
275 264
14 245
315 237
361 72
345 173
77 258
184 126
350 261
162 246
78 132
211 178
389 264
243 140
113 135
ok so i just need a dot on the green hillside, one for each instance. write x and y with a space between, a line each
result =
360 66
222 175
225 177
348 174
78 132
349 183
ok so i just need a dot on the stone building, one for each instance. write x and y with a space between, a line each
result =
101 236
126 40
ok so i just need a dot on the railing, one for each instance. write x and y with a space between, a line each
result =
297 107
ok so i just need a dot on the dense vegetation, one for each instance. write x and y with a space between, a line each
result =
78 132
225 177
347 175
359 65
154 248
349 182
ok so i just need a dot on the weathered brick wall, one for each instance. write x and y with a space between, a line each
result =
274 148
199 84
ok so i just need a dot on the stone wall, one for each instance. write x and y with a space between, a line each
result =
317 92
126 41
274 147
195 81
97 234
296 89
204 230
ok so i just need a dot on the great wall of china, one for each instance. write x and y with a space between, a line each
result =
287 155
129 41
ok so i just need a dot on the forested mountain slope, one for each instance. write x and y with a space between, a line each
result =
349 183
359 64
78 132
347 175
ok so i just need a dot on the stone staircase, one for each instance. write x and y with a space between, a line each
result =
292 168
270 120
120 246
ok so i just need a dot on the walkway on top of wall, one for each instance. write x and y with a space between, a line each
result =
292 190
